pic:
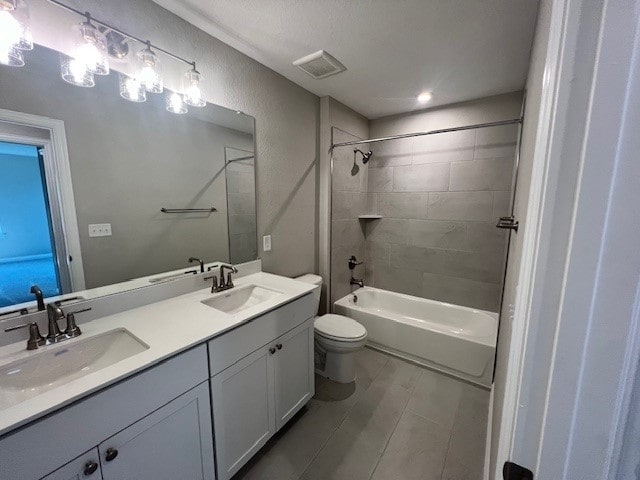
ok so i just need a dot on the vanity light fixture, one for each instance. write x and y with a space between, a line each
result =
132 89
424 97
175 103
191 87
90 47
15 33
149 70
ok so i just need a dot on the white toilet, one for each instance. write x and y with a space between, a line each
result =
337 339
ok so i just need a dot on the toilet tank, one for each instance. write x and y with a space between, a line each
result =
313 280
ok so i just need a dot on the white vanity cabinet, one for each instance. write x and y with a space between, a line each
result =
255 395
159 421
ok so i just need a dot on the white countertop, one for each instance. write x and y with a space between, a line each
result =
167 327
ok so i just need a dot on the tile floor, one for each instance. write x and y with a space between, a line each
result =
398 421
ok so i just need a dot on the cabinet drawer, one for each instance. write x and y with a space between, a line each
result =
89 421
236 344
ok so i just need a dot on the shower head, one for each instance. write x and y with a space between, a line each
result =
365 156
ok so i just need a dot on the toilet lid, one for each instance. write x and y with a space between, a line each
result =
338 326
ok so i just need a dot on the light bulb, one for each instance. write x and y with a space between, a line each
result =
75 72
131 89
424 97
14 25
175 103
149 70
91 48
191 86
10 30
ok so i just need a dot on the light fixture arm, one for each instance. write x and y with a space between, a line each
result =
121 32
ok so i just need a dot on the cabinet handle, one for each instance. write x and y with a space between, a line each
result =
272 350
279 346
111 454
90 468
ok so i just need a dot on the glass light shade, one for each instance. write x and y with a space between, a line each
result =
11 57
75 72
175 103
131 89
8 4
149 70
90 48
191 87
15 26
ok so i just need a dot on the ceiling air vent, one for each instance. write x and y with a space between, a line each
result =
319 65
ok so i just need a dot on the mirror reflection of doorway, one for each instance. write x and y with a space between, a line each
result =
27 245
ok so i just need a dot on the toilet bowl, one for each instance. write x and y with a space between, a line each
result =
337 339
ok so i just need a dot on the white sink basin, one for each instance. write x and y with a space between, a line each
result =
241 298
58 364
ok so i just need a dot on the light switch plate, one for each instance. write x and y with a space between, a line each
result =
100 230
266 243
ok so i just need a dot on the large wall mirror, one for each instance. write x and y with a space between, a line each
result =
149 188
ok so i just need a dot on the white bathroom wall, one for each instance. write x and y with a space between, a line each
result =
440 197
286 117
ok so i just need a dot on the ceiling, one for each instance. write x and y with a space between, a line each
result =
393 49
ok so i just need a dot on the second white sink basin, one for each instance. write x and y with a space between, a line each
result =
59 364
241 298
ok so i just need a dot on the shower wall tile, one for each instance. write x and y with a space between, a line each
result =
381 179
496 142
494 174
347 205
392 153
349 233
421 178
440 197
387 230
471 206
242 223
501 202
461 291
437 234
403 205
444 147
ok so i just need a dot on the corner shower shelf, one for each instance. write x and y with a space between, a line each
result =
369 217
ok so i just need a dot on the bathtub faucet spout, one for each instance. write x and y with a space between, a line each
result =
355 281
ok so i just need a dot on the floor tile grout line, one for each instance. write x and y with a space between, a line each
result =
404 409
344 416
455 419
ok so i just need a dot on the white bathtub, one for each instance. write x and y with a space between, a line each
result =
457 340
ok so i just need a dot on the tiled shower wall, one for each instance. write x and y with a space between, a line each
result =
440 197
349 199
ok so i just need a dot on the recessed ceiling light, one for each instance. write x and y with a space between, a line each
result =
424 97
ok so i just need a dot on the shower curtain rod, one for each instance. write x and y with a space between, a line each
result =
432 132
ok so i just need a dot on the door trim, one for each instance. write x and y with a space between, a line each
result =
59 184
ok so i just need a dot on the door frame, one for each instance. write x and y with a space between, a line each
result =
60 192
587 378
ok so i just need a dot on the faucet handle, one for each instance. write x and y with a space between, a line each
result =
72 329
229 281
35 339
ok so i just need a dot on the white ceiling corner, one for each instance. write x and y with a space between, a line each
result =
393 49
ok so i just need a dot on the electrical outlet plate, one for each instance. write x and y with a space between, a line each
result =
100 230
266 243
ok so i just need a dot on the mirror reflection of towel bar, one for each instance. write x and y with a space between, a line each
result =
188 210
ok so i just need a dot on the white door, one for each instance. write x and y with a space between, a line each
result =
242 399
85 467
293 372
174 442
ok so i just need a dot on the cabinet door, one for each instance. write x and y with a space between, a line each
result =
242 399
174 442
85 467
293 372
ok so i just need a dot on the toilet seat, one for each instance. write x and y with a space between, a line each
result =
339 328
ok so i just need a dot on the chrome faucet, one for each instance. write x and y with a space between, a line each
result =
355 281
39 297
194 259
